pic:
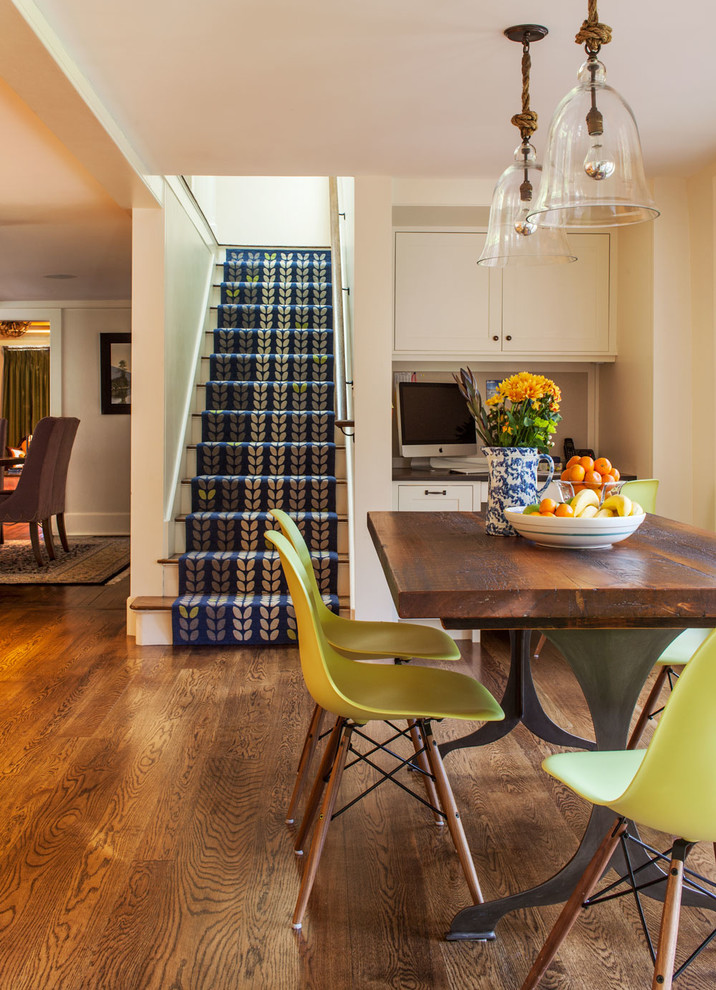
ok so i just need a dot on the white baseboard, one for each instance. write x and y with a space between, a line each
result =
97 523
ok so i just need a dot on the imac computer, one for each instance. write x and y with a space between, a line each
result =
434 422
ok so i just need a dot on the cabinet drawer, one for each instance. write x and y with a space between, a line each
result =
430 497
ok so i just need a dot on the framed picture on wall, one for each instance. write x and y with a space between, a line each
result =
115 358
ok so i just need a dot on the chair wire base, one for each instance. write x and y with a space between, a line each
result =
692 881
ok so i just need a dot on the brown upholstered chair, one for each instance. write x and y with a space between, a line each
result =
65 433
31 502
3 449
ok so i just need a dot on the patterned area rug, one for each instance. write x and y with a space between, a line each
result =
91 560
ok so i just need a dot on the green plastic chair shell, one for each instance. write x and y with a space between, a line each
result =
359 637
669 785
366 691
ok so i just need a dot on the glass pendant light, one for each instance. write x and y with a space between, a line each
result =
512 239
594 173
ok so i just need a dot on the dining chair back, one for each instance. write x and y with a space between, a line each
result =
359 692
31 501
66 433
3 448
643 491
667 787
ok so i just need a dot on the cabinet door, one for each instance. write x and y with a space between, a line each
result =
559 309
434 497
442 296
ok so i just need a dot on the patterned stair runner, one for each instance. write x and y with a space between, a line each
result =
266 442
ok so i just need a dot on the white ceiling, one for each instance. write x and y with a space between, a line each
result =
396 87
276 87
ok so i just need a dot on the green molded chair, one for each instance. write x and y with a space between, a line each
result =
669 787
358 639
354 637
678 653
643 491
360 692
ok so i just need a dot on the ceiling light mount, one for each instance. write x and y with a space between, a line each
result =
526 33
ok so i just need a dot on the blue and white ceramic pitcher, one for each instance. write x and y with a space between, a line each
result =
512 474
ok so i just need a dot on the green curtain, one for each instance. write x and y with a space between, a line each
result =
25 390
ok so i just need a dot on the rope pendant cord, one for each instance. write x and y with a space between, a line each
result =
593 34
526 121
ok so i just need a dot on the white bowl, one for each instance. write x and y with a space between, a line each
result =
575 534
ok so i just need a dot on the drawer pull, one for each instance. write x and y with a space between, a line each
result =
428 492
508 337
495 337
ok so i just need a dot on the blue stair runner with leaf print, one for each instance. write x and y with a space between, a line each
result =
266 441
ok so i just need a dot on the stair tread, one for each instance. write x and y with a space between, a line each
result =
163 603
338 481
341 517
342 557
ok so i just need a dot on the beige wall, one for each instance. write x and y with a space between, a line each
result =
657 401
172 264
626 387
372 352
702 219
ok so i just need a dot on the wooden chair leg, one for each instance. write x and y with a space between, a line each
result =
447 802
571 909
422 761
540 646
304 764
319 785
669 930
649 706
35 540
47 535
324 821
60 517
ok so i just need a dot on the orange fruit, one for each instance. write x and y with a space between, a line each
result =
587 462
603 465
615 472
547 506
564 509
575 473
572 461
608 479
578 488
592 478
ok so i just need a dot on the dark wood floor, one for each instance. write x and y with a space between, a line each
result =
142 805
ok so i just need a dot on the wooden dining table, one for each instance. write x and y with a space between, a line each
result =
610 612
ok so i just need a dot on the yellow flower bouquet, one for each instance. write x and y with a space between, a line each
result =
524 411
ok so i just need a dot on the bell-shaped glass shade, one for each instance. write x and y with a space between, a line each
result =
593 173
511 238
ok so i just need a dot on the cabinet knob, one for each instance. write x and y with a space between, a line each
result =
495 337
508 337
428 492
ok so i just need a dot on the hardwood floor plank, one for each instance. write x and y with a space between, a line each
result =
143 846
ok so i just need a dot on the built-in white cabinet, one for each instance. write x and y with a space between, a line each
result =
447 305
439 496
442 297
